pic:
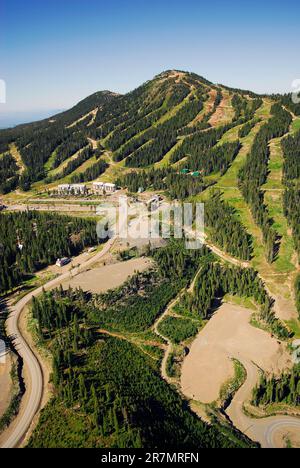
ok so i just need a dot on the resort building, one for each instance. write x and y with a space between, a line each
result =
101 187
73 189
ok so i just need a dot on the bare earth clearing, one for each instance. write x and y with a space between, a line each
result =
228 335
208 366
223 112
99 280
285 435
5 384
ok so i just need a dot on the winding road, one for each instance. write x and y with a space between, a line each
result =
17 431
34 381
260 430
169 349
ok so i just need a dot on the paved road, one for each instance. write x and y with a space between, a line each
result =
263 430
35 376
25 418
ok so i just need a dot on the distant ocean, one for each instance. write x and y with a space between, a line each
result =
11 119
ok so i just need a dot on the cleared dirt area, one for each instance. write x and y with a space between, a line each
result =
228 335
99 280
224 112
207 108
5 384
17 156
91 114
66 209
287 437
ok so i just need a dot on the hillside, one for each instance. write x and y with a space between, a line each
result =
151 137
188 139
158 124
149 126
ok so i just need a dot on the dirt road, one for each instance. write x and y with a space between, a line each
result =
265 430
208 366
169 343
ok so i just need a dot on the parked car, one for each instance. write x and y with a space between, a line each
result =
62 262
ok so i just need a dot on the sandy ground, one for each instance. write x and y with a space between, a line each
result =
99 280
228 335
285 309
5 384
285 435
207 108
223 111
60 208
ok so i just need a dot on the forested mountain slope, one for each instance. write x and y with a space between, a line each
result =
178 133
139 128
31 241
176 115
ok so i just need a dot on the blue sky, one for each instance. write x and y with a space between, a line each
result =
56 52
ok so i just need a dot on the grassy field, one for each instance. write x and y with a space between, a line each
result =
115 169
246 302
230 136
294 325
65 180
49 164
296 125
274 181
17 156
165 162
60 168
